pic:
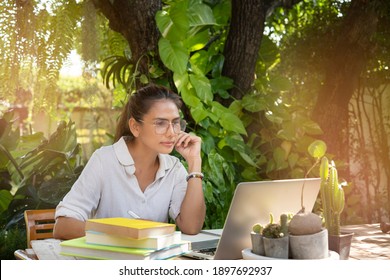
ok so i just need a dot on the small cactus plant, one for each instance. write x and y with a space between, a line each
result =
258 228
274 230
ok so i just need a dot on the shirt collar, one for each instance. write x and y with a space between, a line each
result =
124 157
122 152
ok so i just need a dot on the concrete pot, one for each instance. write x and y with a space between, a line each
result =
341 244
276 247
257 244
311 246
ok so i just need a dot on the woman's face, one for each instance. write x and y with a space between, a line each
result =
156 131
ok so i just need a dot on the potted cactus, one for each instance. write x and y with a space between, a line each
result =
276 239
332 200
257 239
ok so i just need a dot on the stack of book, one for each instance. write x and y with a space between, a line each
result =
124 239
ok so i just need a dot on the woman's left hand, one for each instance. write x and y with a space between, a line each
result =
188 145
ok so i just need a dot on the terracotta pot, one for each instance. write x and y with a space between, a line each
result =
276 247
341 244
310 246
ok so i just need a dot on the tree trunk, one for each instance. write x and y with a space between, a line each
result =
244 40
243 43
352 50
135 20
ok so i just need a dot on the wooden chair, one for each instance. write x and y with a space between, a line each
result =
39 224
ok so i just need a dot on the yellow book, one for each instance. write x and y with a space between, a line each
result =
133 228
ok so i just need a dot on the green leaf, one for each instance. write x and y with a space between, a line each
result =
190 98
199 15
273 118
202 87
200 62
215 161
208 143
253 103
279 157
221 85
5 200
317 149
231 122
198 113
181 81
312 127
173 55
144 79
248 159
234 141
173 26
197 42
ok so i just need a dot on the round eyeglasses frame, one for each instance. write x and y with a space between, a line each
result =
161 126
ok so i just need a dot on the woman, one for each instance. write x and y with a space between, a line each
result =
136 176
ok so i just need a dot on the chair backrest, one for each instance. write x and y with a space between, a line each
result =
39 224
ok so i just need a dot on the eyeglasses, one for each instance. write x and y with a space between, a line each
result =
162 126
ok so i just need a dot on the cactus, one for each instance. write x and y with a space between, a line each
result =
332 193
332 196
284 224
273 230
258 228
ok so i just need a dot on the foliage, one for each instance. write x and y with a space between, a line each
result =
39 172
264 135
10 240
39 38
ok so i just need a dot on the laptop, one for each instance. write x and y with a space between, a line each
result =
252 203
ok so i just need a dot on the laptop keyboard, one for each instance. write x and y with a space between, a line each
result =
202 254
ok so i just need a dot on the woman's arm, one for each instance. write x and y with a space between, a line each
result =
193 208
68 228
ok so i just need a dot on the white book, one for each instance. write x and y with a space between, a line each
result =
155 242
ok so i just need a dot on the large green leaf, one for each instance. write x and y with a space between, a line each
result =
317 149
181 81
215 161
202 87
234 141
190 98
231 122
197 42
172 29
199 15
253 103
28 143
173 55
199 62
198 113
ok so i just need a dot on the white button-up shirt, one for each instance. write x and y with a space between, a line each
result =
107 187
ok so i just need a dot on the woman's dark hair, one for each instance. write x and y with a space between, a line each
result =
140 103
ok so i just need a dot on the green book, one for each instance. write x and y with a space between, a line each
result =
78 247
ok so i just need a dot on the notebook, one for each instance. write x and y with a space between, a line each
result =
252 203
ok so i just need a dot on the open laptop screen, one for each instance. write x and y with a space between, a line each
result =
253 202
